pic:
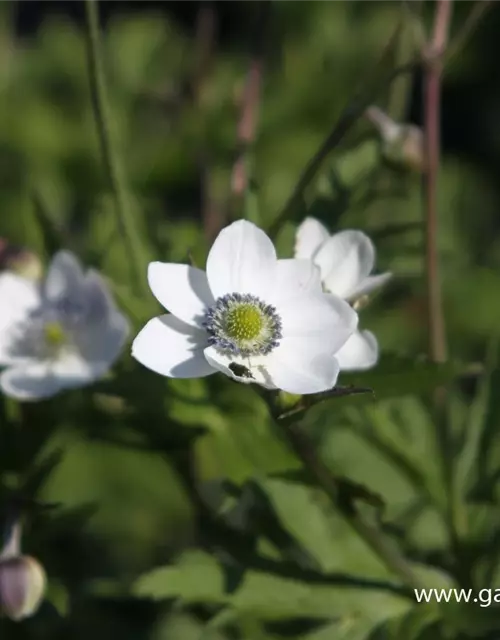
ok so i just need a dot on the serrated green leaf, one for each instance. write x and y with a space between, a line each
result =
197 577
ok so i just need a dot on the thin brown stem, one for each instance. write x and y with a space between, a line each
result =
247 125
434 56
432 110
249 110
206 29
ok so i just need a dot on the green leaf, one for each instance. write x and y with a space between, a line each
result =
306 402
468 470
418 624
472 618
58 596
197 578
326 537
347 628
397 375
403 432
355 164
41 473
351 490
273 598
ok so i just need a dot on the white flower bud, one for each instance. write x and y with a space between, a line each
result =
403 144
22 586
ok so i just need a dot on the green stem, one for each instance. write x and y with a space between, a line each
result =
108 151
433 55
349 116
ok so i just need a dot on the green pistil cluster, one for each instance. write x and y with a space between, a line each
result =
54 334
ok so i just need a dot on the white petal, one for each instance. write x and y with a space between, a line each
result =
359 352
72 370
18 296
319 316
293 276
64 277
345 260
309 237
100 344
232 366
99 303
172 348
181 289
241 260
32 381
302 366
370 284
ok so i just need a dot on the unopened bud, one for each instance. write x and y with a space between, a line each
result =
361 302
403 144
22 586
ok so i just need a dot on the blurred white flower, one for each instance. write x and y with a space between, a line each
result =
345 260
251 316
61 333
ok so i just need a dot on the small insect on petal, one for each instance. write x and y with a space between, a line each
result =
240 370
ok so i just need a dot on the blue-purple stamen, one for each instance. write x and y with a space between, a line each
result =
216 325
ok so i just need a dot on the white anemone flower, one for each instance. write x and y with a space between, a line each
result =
61 333
253 317
346 261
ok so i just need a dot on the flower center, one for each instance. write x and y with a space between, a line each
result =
54 334
242 324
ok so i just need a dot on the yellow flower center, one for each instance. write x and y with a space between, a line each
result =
244 322
54 334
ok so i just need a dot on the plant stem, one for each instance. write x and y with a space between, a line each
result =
108 151
247 126
11 547
242 196
432 113
348 117
433 57
322 476
475 16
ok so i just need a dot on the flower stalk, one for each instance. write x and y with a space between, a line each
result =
432 111
110 158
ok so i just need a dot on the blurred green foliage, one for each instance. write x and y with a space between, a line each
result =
133 547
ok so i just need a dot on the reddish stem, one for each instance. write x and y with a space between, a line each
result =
432 97
247 125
